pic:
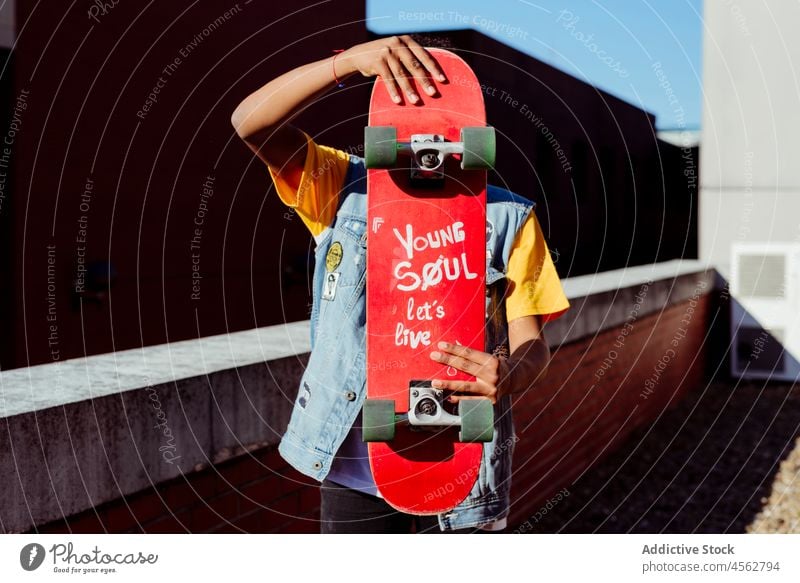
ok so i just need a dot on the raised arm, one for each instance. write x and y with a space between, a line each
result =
263 118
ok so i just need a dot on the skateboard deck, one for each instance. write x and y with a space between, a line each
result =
426 262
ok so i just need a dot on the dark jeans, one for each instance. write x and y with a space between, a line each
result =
349 511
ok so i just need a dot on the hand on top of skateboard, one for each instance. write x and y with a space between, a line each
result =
395 59
491 373
263 118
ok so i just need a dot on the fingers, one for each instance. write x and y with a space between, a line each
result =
458 362
402 59
467 353
424 57
474 390
475 362
415 69
382 69
401 75
419 63
458 386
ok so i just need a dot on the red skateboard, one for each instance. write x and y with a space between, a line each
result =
426 262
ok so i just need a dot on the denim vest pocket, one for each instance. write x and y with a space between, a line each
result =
349 236
350 233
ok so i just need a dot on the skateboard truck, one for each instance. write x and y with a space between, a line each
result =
426 412
428 151
425 407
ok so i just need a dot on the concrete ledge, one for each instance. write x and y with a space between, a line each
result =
49 385
606 300
86 431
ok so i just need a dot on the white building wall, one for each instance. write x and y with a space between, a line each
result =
750 148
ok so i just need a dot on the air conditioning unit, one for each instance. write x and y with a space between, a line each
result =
765 310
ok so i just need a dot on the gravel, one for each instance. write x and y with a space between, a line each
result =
726 459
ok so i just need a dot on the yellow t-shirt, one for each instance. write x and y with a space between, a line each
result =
535 288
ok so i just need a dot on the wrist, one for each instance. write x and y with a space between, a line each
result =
342 65
506 374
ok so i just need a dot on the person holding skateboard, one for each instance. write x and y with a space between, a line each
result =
327 189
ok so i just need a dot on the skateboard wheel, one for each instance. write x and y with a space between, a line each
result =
477 420
377 420
479 148
380 146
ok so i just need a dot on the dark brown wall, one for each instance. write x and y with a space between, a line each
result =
86 81
6 213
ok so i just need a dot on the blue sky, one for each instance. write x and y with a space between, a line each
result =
647 52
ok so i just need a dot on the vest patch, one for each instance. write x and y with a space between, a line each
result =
331 281
334 257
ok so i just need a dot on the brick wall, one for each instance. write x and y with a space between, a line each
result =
595 394
597 391
255 492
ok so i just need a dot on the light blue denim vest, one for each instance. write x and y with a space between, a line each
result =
333 386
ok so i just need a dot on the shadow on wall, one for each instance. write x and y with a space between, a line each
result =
758 352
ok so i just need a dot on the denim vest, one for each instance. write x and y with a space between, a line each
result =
333 386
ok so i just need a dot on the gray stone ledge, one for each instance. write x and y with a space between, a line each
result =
71 381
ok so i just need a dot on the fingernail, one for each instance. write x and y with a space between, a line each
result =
442 345
396 99
441 77
437 384
413 97
430 90
436 355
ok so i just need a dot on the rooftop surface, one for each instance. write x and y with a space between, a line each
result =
726 459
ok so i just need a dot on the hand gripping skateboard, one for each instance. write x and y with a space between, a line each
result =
426 261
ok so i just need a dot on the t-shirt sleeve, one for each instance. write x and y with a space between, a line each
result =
317 194
535 288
